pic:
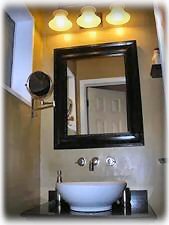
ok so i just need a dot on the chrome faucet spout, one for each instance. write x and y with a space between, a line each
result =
93 162
91 166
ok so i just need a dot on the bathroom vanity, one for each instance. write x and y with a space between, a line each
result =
138 207
52 209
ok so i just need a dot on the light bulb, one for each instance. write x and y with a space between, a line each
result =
88 18
60 22
117 16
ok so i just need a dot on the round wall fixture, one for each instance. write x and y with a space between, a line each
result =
110 161
39 85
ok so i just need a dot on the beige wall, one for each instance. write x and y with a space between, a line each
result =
22 156
138 165
100 67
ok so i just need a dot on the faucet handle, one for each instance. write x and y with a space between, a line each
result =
110 161
81 161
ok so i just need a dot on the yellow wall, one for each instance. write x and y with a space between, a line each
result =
37 51
138 165
37 42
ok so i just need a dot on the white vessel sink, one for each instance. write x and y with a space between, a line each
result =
91 196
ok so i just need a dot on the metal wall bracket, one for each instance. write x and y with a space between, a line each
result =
43 105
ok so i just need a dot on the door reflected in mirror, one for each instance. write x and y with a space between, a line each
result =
96 87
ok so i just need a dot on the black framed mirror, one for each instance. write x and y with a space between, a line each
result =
103 85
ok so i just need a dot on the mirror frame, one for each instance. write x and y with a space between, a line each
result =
135 135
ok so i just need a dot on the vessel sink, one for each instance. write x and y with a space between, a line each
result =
91 196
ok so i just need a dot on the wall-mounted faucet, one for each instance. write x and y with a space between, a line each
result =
110 161
93 162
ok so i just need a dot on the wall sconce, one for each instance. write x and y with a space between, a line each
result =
60 22
117 16
88 18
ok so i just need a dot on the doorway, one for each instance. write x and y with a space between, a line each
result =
103 105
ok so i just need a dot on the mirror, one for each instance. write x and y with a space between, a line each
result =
39 86
97 96
97 87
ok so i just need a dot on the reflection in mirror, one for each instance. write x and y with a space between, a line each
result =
97 89
71 101
106 109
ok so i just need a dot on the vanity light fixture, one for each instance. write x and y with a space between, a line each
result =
88 18
60 22
117 16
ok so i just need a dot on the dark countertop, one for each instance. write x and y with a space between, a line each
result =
51 208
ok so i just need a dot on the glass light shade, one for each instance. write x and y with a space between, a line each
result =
117 16
88 19
60 22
